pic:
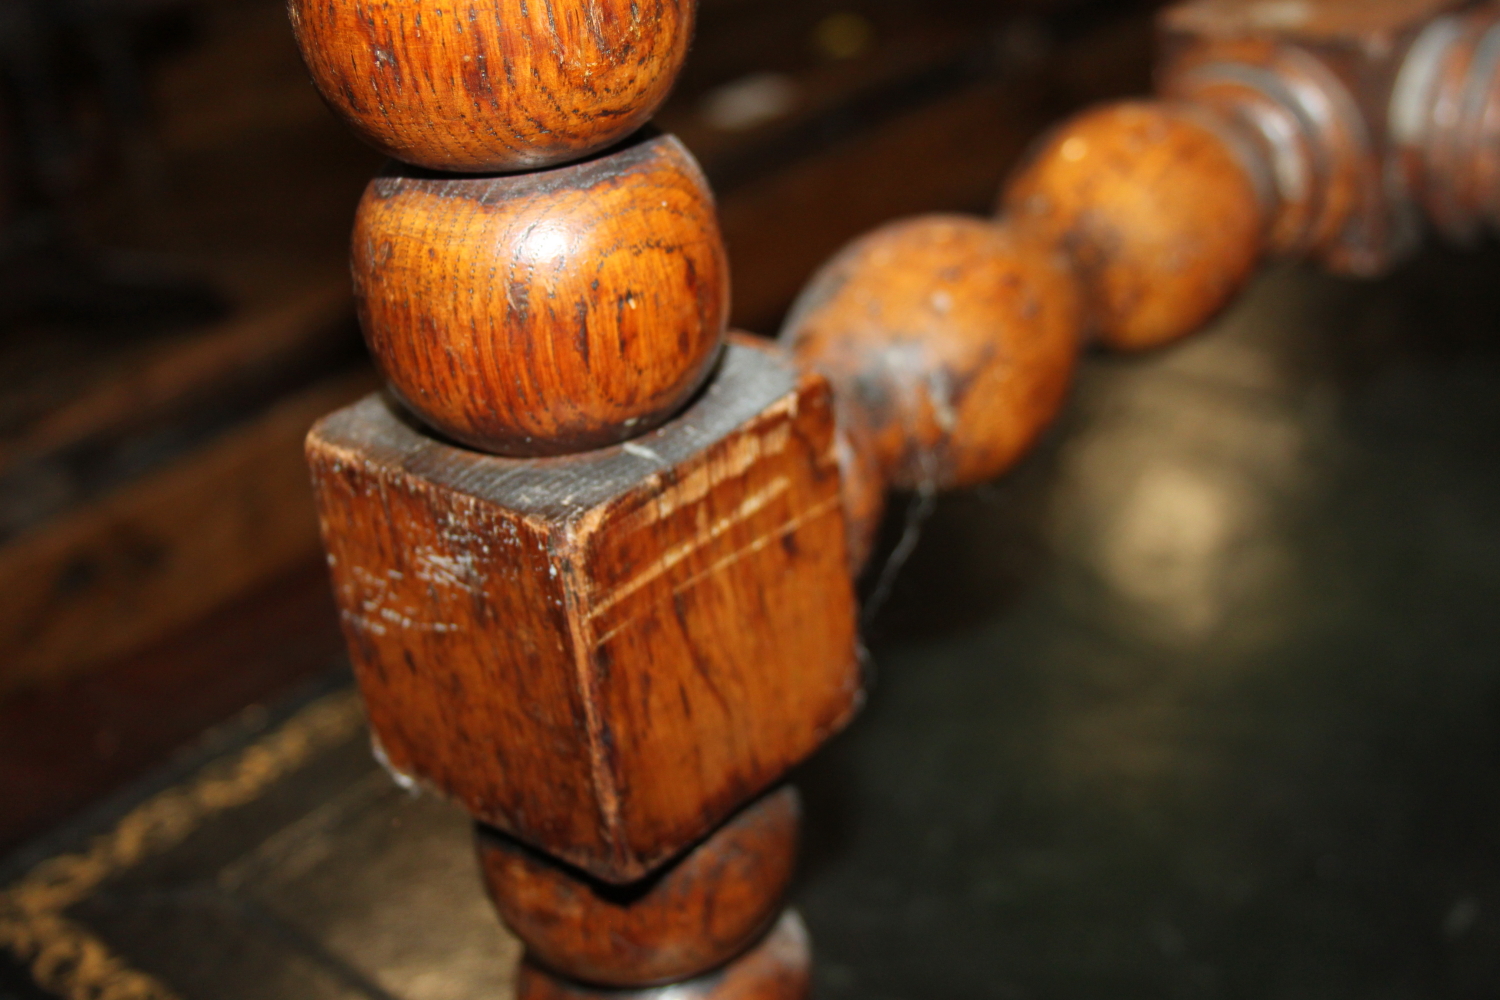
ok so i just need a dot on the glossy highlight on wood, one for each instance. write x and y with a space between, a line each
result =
546 313
1329 198
1445 123
603 655
778 968
950 342
1157 210
697 914
493 85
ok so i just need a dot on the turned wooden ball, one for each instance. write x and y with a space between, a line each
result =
696 915
492 85
778 967
544 313
1160 215
949 341
862 487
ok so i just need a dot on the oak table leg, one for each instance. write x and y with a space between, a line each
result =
591 561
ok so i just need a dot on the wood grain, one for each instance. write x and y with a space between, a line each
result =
707 907
547 313
950 342
604 655
493 85
779 968
1155 207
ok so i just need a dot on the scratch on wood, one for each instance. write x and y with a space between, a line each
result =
641 451
769 538
458 570
748 508
367 609
735 460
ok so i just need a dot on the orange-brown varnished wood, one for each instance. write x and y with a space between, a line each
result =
950 341
1157 210
778 968
700 912
863 485
1369 112
604 655
1346 21
1313 165
1315 115
546 313
1445 123
493 85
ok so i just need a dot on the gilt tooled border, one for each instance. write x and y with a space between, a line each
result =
66 957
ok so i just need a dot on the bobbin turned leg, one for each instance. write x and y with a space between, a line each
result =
607 642
554 645
603 656
698 915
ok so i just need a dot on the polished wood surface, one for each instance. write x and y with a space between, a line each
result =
616 621
493 85
950 341
1375 118
603 655
862 484
544 313
1158 211
1314 123
1446 123
779 968
693 916
1271 138
1312 143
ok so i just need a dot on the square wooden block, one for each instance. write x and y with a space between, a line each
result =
605 654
